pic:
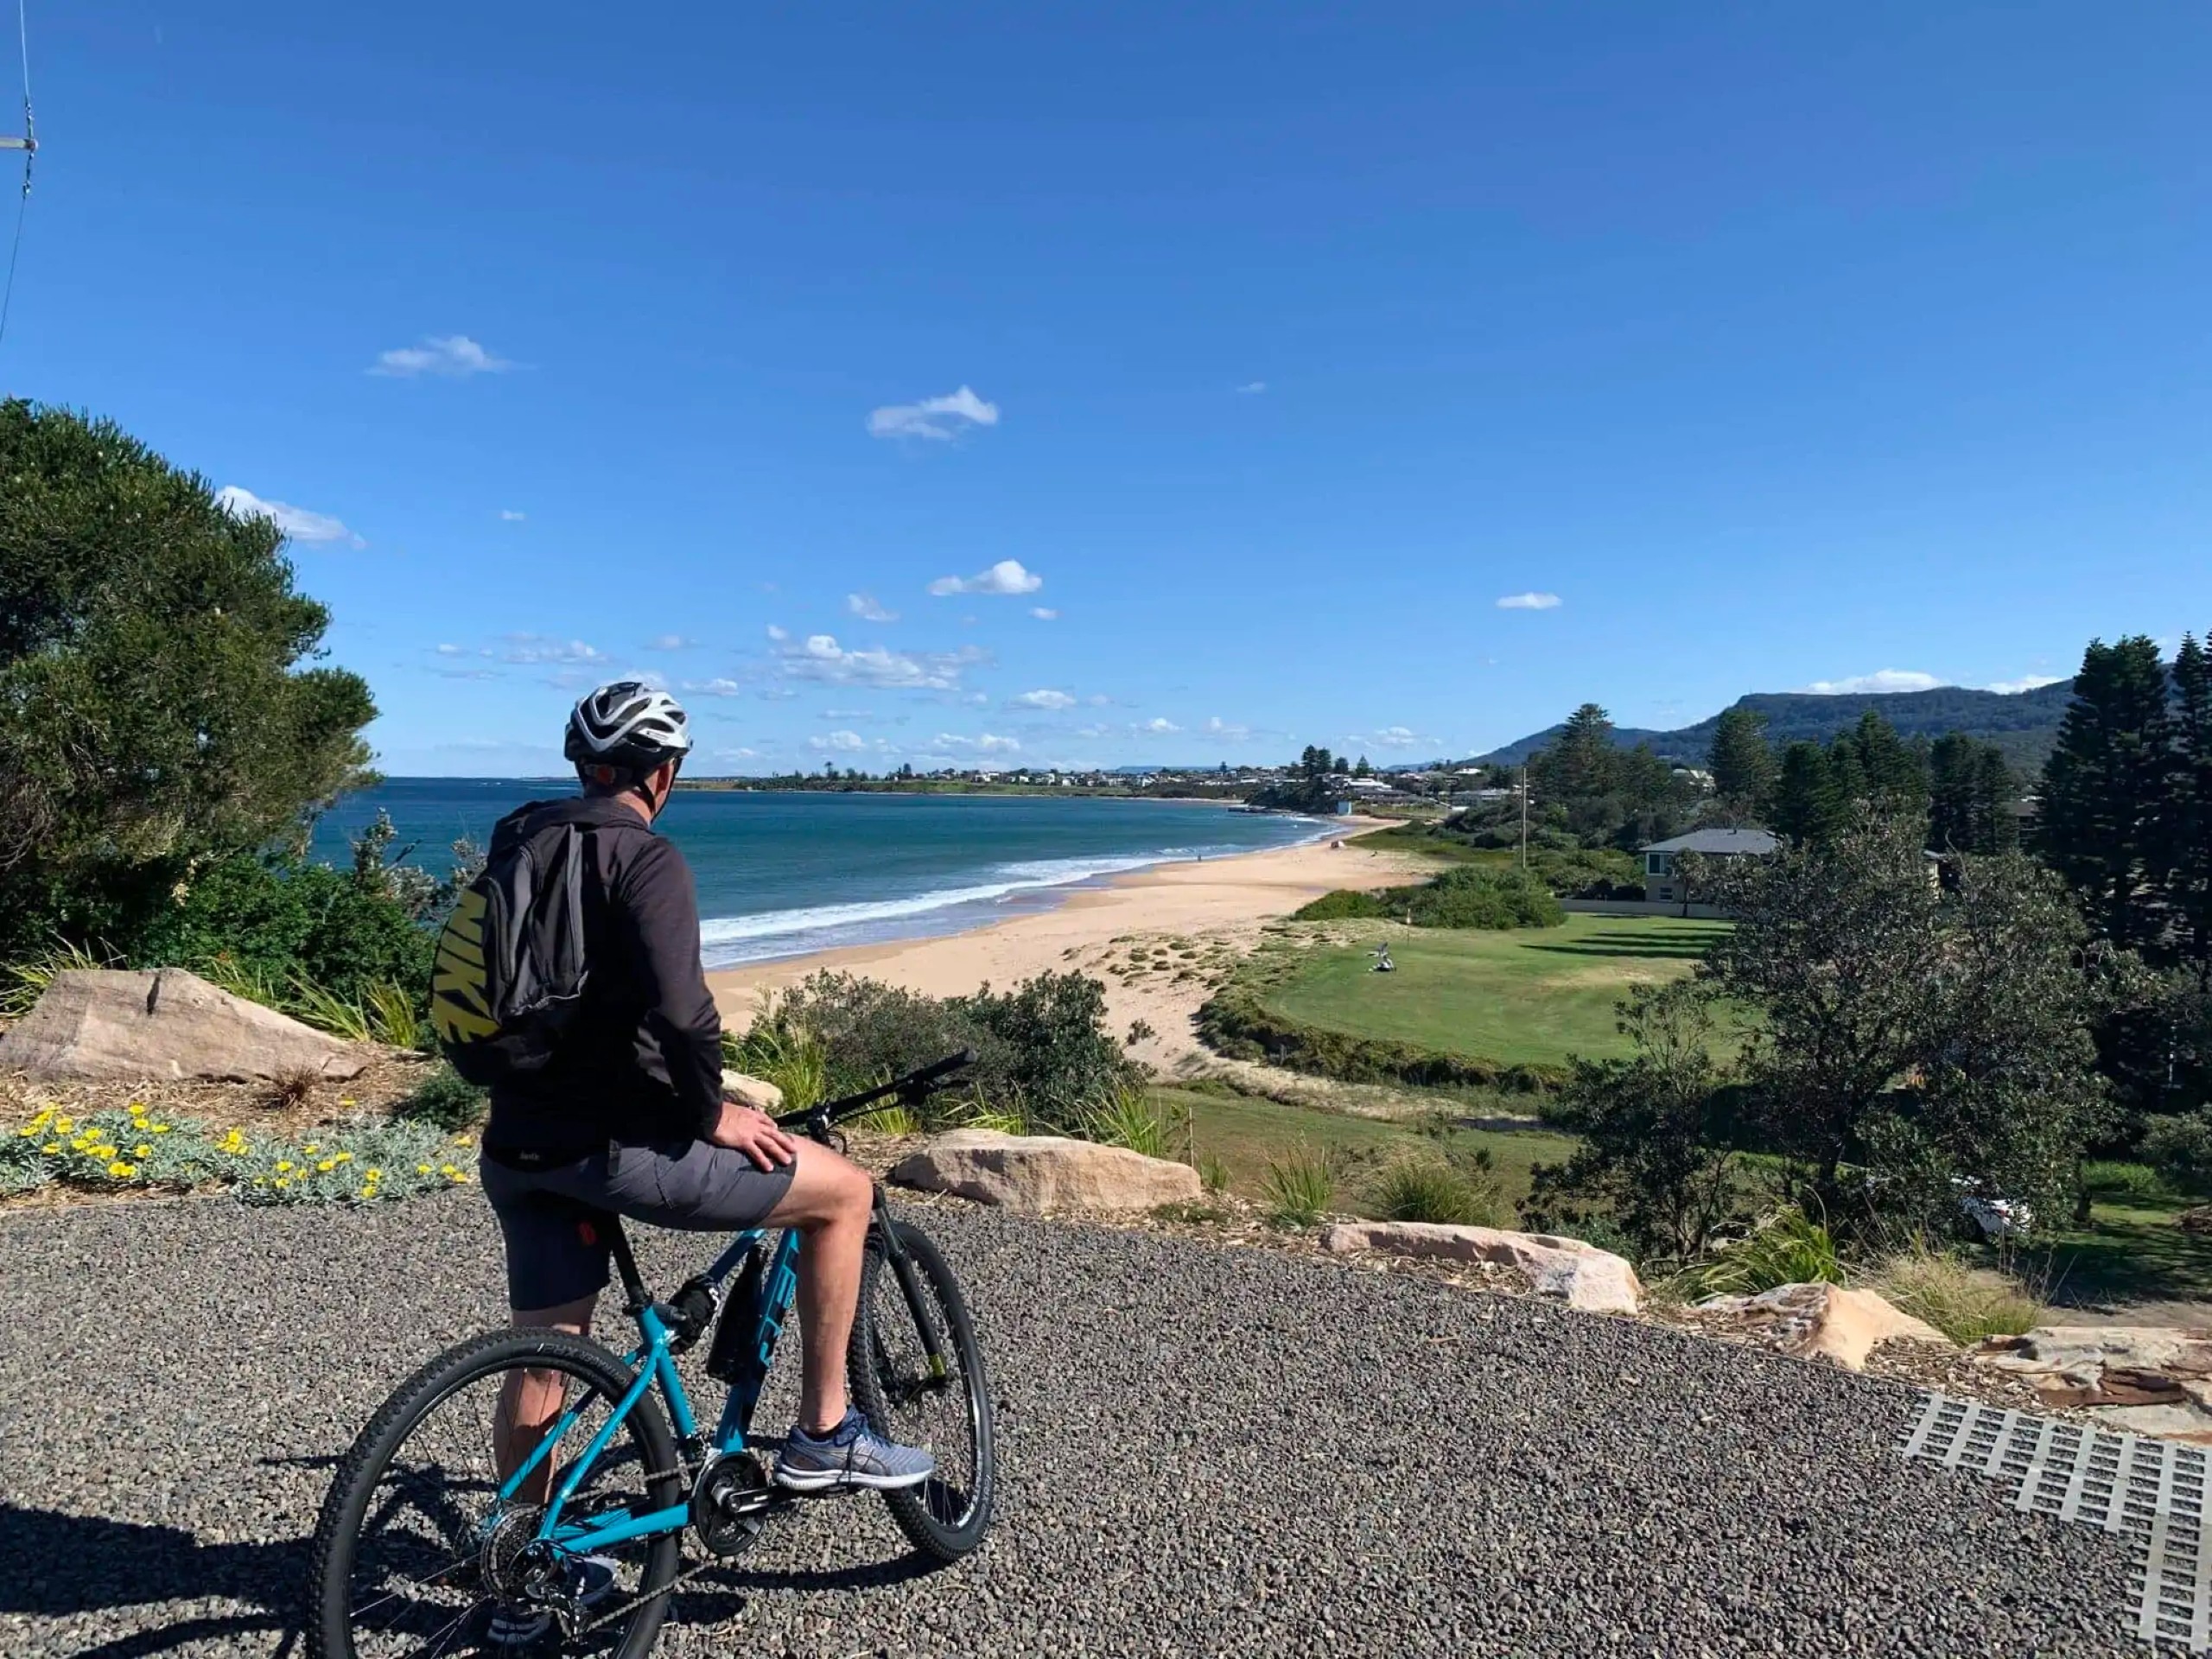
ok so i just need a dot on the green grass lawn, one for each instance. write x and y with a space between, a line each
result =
2131 1251
1530 995
1245 1132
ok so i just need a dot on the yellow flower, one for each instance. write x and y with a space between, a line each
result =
283 1166
122 1171
63 1125
281 1182
343 1158
102 1151
51 1146
327 1165
447 1169
44 1116
311 1148
421 1169
136 1109
372 1174
29 1131
161 1129
261 1180
346 1100
459 1179
141 1152
464 1141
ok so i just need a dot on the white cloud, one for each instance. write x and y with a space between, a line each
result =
450 650
2026 683
298 523
988 743
1528 602
935 418
448 354
864 606
1007 577
669 642
776 632
737 754
1882 679
715 687
1158 724
1227 731
1092 731
1047 699
1394 737
844 742
509 516
1252 388
820 657
1044 614
542 648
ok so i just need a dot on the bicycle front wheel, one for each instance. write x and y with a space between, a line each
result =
416 1552
918 1373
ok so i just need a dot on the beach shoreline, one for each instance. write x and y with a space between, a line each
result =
1204 906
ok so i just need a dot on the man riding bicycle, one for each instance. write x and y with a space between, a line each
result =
629 1118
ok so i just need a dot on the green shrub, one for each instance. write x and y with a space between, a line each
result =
1966 1303
445 1100
1213 1173
1129 1118
22 982
1789 1248
1342 906
1300 1188
2137 1184
2179 1147
1438 1190
1044 1049
1465 896
788 1054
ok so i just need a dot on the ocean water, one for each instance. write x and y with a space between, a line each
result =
783 874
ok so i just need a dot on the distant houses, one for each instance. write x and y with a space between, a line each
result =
1663 881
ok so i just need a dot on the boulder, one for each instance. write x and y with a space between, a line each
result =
1579 1274
756 1092
164 1023
1823 1321
2145 1379
1040 1174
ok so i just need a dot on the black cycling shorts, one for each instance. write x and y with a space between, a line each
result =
691 1185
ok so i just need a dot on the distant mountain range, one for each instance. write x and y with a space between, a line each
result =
2025 724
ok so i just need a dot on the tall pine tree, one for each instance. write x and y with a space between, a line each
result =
1743 766
2189 856
2109 792
1807 805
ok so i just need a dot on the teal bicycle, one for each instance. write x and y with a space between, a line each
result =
427 1527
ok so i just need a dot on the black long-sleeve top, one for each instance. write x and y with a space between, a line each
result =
642 1061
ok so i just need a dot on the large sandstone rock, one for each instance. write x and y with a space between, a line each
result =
164 1023
1822 1321
756 1092
1579 1274
2145 1379
1039 1174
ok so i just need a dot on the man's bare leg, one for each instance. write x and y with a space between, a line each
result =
829 1201
530 1401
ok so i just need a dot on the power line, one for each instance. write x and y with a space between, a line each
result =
28 144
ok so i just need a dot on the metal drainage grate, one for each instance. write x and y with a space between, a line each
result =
2151 1492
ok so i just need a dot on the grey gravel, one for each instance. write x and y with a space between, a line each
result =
1203 1450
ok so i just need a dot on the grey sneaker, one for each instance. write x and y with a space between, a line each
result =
851 1454
591 1580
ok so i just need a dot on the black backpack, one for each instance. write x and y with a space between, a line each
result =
511 970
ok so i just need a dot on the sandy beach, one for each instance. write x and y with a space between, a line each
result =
1204 907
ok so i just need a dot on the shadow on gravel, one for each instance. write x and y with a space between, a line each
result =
59 1564
715 1597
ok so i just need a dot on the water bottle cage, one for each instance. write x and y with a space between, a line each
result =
689 1312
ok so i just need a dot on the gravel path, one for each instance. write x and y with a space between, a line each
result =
1204 1451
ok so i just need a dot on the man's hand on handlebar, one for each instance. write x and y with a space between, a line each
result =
752 1131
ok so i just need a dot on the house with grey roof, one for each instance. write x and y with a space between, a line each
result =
1662 877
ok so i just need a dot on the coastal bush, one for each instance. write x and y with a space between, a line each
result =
1044 1049
161 708
1788 1247
1129 1118
1467 895
2179 1147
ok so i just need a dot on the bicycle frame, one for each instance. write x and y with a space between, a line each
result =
653 1360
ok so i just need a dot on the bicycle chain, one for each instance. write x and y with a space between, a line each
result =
636 1602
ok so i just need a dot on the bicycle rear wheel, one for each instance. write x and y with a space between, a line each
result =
415 1550
918 1373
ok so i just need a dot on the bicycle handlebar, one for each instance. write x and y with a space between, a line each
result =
912 1087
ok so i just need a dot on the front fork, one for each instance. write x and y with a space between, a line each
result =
910 1285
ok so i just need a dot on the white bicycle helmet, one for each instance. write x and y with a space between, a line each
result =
627 725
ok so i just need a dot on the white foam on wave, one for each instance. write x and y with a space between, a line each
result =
726 940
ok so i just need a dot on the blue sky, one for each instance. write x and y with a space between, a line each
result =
1239 361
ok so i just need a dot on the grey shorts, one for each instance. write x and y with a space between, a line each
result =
691 1185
